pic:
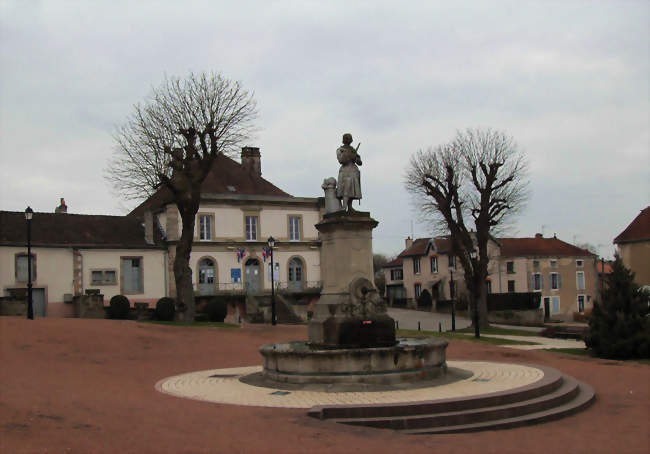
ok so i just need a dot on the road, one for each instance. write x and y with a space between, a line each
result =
408 319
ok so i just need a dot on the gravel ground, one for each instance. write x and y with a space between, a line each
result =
87 386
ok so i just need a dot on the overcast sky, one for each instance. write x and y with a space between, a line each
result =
568 80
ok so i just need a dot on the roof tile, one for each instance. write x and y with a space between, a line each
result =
638 230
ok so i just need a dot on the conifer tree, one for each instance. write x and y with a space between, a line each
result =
619 327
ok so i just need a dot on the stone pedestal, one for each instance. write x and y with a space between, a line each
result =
349 313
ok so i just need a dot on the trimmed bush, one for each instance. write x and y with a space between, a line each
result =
165 309
119 307
619 326
513 301
216 309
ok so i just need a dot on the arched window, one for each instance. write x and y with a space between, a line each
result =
296 274
207 277
253 276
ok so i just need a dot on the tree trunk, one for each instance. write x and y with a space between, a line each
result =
182 272
478 296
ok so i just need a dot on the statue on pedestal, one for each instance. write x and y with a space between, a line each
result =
348 187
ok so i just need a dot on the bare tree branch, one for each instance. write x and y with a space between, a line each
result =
172 140
480 175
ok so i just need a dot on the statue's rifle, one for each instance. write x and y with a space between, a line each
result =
356 150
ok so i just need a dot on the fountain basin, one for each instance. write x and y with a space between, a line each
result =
410 360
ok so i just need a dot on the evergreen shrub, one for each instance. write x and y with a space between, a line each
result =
119 307
217 309
165 309
619 326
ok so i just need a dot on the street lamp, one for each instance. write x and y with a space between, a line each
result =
477 330
453 303
271 243
30 307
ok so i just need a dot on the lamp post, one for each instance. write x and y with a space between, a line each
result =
453 303
477 330
271 243
30 307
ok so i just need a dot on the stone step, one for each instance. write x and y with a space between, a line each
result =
554 396
565 393
586 396
551 381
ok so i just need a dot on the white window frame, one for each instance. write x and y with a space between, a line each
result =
434 264
541 282
205 227
557 285
104 280
452 262
416 266
251 227
580 263
584 283
417 290
23 256
294 228
559 304
396 275
584 302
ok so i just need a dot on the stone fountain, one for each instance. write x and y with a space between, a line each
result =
351 337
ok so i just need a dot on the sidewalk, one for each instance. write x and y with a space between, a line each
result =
543 342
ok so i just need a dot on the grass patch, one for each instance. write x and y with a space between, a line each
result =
570 351
193 324
457 336
500 331
585 352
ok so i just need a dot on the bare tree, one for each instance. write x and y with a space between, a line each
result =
171 140
478 178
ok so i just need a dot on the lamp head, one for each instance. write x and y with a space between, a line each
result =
29 213
271 241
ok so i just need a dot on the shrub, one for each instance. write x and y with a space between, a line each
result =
217 309
119 307
165 309
619 326
424 300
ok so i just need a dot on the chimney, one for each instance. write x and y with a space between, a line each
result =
408 242
250 159
539 235
62 208
148 227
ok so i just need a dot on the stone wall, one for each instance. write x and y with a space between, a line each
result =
89 306
13 306
532 317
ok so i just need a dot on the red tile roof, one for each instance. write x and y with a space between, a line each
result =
226 177
638 230
540 247
78 230
608 267
396 262
419 247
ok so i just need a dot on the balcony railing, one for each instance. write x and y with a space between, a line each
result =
280 286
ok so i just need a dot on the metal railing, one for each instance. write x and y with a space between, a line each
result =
285 286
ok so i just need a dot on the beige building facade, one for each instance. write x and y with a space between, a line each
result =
133 255
565 276
72 254
633 245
